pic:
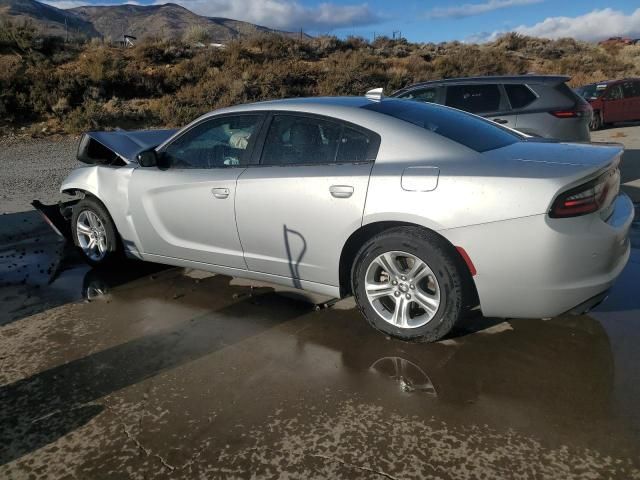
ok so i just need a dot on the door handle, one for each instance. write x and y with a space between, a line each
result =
341 191
220 193
501 121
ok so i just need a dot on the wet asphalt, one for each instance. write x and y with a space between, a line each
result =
152 372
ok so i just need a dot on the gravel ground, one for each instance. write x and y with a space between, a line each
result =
33 169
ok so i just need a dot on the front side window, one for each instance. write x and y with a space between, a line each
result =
615 93
215 143
474 98
422 94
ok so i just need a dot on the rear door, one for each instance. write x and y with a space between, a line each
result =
296 209
632 100
186 209
488 100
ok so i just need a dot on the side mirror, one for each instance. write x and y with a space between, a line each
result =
148 158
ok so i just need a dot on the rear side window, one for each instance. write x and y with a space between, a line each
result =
353 146
472 132
520 96
630 89
302 140
474 98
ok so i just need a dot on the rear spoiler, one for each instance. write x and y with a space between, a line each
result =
109 148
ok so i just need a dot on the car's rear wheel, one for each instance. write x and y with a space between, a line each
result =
408 285
94 232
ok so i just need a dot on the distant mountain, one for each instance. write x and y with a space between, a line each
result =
50 20
113 21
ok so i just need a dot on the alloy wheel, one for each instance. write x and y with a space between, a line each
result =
92 235
402 289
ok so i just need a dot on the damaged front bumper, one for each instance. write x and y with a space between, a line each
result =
57 216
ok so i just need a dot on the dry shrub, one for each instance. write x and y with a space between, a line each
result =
161 82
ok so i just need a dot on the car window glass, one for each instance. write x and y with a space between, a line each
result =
423 94
474 98
298 140
476 133
519 95
615 93
214 143
629 89
353 146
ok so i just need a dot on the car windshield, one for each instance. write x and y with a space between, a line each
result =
591 92
469 130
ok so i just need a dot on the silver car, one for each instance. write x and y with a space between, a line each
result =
418 210
538 105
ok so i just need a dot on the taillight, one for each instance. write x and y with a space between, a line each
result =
587 198
580 110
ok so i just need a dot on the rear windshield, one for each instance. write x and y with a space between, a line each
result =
473 132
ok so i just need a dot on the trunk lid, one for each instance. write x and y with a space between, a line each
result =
587 158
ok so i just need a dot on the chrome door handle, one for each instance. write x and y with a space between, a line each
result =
341 191
220 193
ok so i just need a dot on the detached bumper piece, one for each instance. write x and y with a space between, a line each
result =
590 304
57 216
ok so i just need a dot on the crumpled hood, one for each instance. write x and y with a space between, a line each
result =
128 144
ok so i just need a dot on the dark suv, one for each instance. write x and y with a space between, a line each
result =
538 105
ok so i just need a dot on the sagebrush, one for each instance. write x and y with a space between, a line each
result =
49 85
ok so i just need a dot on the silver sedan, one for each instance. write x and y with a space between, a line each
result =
420 211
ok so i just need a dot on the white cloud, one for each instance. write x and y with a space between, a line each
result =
593 26
471 9
285 14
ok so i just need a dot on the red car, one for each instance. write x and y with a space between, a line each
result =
613 101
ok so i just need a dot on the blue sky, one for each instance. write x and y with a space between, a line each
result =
425 21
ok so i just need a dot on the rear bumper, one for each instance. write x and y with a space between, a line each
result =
539 267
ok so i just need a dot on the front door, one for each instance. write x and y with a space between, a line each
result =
186 210
614 105
296 209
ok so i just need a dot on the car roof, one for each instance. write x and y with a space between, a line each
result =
492 79
354 102
612 82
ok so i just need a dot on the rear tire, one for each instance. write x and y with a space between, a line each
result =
94 233
408 284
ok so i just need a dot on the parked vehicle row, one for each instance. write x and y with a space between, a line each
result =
419 210
613 101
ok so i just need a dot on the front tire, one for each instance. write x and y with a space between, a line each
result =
408 285
596 121
94 233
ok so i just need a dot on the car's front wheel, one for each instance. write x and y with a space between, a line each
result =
94 233
408 284
596 121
